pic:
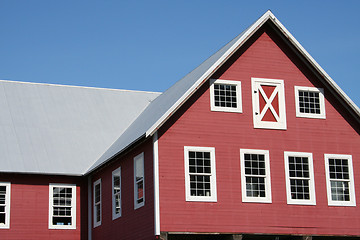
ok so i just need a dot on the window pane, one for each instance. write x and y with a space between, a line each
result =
300 189
225 95
307 100
340 191
139 168
339 169
2 218
116 183
140 190
255 187
117 204
255 164
97 208
97 193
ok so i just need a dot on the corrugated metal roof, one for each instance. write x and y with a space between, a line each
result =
54 129
167 103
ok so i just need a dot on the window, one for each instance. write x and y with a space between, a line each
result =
268 101
200 174
225 95
340 180
309 102
139 182
4 205
300 187
255 175
62 206
116 193
97 203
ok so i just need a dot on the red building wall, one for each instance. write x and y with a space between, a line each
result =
29 208
264 56
133 224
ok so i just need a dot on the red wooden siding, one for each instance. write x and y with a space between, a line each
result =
29 208
133 224
264 56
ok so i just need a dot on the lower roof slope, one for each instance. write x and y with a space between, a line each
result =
54 129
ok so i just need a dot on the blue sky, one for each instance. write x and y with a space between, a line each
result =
149 45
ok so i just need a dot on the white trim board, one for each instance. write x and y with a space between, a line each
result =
156 184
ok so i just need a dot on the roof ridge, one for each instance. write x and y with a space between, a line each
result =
75 86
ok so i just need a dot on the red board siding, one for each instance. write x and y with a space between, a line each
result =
133 224
265 56
29 208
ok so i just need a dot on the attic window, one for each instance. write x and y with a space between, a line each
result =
225 95
309 102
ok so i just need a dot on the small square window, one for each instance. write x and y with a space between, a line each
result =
309 102
225 95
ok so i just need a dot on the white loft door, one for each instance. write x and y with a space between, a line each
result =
268 103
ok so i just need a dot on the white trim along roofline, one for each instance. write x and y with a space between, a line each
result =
245 36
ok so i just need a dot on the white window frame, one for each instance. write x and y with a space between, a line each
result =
136 204
257 115
116 172
331 202
95 204
267 198
7 205
238 109
312 200
213 197
322 114
73 205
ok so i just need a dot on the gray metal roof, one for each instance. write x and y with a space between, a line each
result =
54 129
167 103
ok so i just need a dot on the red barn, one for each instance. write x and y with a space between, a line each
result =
258 142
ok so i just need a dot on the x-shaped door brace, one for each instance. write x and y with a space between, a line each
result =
268 102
